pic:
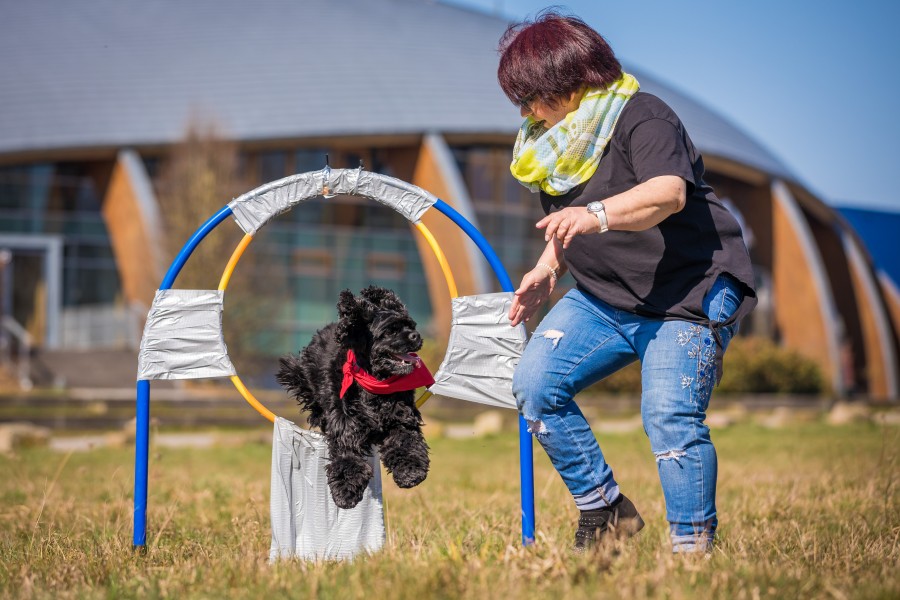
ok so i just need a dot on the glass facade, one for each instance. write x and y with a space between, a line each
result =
63 199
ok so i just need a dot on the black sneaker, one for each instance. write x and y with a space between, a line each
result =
620 520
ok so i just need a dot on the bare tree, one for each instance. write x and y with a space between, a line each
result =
199 177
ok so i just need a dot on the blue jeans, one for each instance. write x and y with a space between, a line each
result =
581 341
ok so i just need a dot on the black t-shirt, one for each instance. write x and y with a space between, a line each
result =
667 270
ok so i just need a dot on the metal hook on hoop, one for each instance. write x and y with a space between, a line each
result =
358 175
326 176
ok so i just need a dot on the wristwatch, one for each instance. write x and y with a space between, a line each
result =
599 209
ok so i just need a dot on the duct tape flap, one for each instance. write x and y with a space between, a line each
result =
482 353
183 337
255 208
306 522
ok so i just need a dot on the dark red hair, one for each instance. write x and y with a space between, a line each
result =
552 56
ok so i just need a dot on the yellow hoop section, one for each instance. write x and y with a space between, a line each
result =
423 398
223 283
251 400
442 260
236 257
233 261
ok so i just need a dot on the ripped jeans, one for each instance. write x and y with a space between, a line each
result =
581 341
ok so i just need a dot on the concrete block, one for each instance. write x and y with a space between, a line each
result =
779 418
843 413
888 417
14 436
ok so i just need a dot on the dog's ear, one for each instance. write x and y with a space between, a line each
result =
354 315
346 305
384 298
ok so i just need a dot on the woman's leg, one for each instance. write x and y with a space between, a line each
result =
678 370
576 344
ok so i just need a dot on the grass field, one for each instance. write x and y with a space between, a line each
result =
810 511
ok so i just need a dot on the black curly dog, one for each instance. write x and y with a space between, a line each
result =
379 330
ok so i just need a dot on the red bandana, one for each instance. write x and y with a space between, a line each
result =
419 377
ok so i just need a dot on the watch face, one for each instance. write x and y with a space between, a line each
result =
595 206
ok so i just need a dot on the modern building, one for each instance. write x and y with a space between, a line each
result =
95 95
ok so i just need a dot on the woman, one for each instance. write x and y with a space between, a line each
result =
662 274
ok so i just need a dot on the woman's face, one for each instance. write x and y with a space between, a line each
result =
551 113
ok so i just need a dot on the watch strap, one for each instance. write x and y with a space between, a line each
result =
601 216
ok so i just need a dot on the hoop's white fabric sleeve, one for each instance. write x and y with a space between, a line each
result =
482 353
305 520
183 337
255 208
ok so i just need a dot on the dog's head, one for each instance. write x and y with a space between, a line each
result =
379 330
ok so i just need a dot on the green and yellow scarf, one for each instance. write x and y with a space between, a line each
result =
557 159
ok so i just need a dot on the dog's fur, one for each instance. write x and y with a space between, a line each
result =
378 328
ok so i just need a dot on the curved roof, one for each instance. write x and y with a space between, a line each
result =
100 73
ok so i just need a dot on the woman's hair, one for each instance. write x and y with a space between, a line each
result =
552 56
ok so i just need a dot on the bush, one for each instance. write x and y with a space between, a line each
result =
752 366
624 382
758 366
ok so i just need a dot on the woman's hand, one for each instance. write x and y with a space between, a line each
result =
534 290
565 224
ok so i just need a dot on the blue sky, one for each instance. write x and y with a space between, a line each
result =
815 82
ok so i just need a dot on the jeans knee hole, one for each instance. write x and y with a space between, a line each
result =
675 455
554 335
537 427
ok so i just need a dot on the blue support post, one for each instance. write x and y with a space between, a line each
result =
526 445
526 481
142 422
141 463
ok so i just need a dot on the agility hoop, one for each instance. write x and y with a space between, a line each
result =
159 360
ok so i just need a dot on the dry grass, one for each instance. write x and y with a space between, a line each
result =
806 512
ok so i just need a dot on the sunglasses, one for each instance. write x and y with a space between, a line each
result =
526 101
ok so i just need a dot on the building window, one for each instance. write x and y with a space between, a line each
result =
310 159
63 199
314 262
506 210
272 165
385 265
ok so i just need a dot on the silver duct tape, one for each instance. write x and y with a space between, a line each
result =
255 208
306 523
183 337
482 353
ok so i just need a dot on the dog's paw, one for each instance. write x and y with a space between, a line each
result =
405 456
409 474
348 478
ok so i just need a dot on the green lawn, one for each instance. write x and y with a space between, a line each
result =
810 511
